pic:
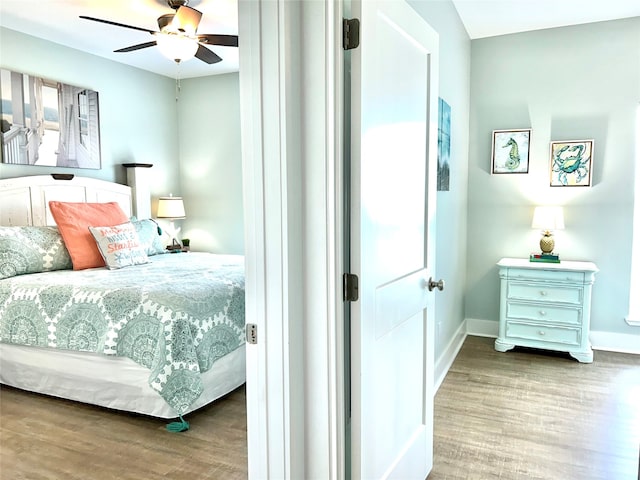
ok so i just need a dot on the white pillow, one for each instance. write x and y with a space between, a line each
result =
119 245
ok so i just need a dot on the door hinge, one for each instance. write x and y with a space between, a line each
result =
350 33
251 331
350 287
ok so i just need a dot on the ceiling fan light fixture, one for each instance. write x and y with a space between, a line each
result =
186 20
178 48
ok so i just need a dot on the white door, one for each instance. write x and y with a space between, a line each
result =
394 125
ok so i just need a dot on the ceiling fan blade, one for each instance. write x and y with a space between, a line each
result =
133 48
222 40
109 22
187 19
207 56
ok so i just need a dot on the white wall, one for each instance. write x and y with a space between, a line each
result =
211 163
580 82
137 109
451 210
193 143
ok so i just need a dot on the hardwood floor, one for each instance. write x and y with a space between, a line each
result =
515 415
528 414
48 438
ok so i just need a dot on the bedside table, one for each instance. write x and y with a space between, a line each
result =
546 305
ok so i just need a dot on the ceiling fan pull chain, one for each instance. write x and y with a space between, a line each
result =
178 82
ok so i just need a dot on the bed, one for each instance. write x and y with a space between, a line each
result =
162 337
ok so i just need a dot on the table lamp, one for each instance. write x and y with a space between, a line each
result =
171 208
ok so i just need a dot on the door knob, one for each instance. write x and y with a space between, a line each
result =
433 284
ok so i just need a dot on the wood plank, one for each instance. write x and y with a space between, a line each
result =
533 414
44 437
518 415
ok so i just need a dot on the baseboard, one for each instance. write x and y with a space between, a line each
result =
612 342
615 342
482 328
446 358
633 321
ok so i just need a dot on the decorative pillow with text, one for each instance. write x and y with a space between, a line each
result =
119 245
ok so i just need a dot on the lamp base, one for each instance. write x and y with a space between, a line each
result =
547 243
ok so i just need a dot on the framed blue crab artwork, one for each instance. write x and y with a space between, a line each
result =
571 163
510 151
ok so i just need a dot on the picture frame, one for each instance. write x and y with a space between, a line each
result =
444 145
510 151
46 122
571 163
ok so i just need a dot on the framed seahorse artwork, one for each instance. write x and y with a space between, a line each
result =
571 163
510 151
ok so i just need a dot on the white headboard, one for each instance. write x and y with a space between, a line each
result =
25 200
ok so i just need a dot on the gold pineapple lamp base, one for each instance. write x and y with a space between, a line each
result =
547 242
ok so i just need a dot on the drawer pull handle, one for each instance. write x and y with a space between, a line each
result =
543 293
542 313
541 332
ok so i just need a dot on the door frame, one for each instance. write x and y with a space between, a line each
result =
292 106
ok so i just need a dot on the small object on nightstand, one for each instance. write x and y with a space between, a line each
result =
175 246
544 257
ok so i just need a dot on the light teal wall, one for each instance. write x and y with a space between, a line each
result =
580 82
193 143
137 109
211 163
451 209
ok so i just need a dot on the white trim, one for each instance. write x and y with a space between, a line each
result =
268 413
634 281
633 323
446 358
291 81
482 328
615 342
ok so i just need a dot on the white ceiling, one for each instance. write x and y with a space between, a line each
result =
488 18
58 21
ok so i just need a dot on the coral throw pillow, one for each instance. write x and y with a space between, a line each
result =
74 219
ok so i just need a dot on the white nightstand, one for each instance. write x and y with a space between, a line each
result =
546 305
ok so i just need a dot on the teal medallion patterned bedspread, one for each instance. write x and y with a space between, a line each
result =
175 316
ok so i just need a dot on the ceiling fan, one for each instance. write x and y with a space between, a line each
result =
177 37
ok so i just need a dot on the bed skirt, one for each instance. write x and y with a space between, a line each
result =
108 381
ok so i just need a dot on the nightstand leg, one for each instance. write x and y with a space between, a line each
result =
501 346
584 357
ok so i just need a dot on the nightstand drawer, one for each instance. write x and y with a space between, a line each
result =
544 313
545 275
564 336
543 293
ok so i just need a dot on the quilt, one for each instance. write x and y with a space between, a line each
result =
176 315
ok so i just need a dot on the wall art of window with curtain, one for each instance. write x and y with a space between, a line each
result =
48 123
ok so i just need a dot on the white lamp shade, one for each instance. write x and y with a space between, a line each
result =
548 218
176 47
170 207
